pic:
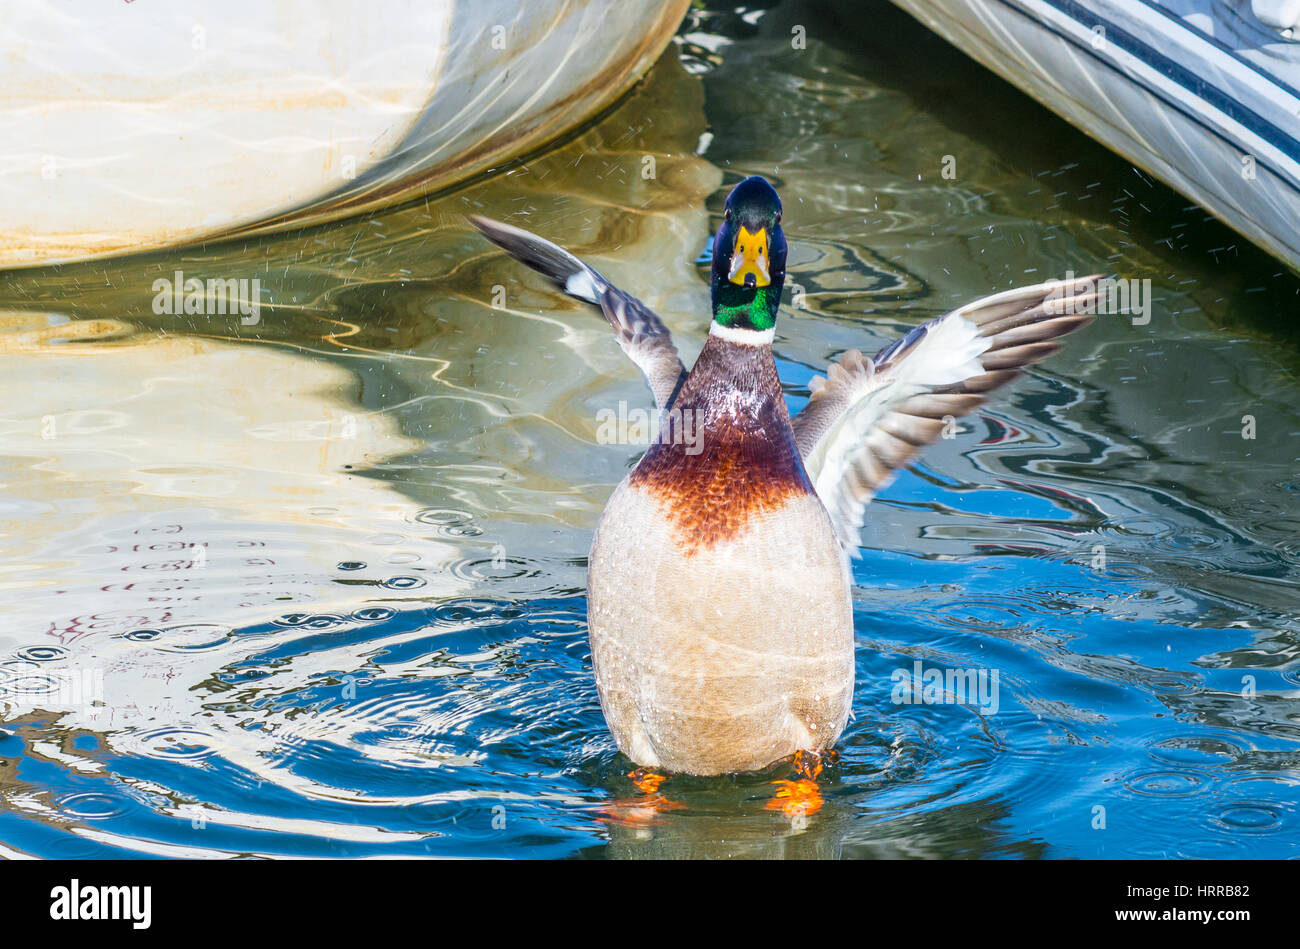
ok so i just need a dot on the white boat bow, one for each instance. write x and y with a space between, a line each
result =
137 125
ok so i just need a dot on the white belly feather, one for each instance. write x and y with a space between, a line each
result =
728 659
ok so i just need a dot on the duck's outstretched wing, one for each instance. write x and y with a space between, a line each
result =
640 332
869 417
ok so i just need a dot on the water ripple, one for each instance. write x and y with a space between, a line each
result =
404 583
171 743
308 620
374 614
194 637
91 805
1166 783
495 568
1249 817
1197 749
449 523
42 653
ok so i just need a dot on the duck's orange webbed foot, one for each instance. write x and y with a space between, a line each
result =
644 810
647 781
809 764
801 797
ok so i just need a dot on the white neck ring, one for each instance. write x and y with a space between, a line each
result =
745 337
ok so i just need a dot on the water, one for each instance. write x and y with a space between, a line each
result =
313 586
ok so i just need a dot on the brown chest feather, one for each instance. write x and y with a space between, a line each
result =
726 453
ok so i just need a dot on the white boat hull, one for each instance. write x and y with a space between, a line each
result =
132 126
1214 119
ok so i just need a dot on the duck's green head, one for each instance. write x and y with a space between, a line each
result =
749 258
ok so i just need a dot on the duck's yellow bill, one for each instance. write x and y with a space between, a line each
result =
750 259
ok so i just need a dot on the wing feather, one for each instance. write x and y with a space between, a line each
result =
638 329
870 417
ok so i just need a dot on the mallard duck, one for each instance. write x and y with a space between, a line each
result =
719 604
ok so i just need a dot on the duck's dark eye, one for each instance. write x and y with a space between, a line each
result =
778 217
727 214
